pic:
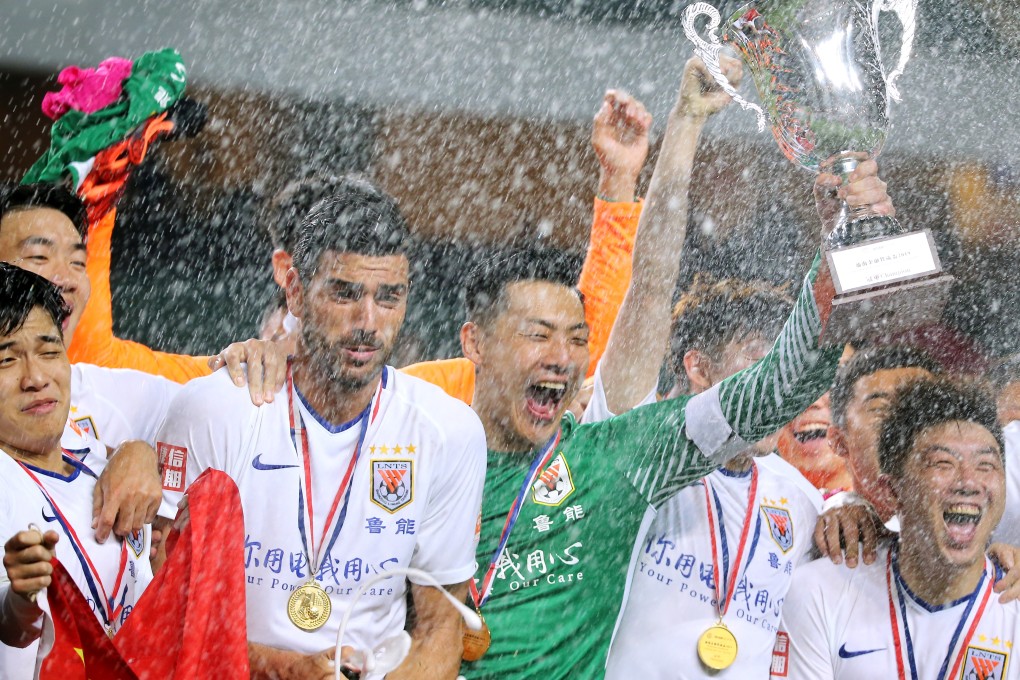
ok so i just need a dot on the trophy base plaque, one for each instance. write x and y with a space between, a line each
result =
885 286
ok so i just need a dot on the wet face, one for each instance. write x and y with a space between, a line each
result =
35 382
951 494
44 241
857 439
351 312
803 443
531 360
737 355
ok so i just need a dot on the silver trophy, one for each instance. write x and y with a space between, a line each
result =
819 73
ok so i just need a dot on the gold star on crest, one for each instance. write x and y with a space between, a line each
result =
983 638
384 450
397 450
371 449
74 409
784 501
996 641
411 449
1009 644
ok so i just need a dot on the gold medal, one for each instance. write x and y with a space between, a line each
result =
476 642
308 607
717 647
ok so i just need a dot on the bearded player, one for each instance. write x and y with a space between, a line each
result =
925 608
354 469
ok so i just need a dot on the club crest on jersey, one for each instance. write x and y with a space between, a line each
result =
984 664
554 484
87 425
780 526
392 483
136 539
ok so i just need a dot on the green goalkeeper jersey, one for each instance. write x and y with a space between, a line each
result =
559 584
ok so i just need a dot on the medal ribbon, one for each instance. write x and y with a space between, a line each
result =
723 600
541 460
306 516
108 609
898 621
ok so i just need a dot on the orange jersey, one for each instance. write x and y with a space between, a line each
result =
603 282
94 341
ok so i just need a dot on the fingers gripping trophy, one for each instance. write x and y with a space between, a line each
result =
817 69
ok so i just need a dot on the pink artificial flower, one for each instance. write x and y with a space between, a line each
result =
86 89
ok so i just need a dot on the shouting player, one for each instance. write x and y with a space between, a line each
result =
563 503
925 608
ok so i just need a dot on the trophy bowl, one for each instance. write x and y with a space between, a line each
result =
818 70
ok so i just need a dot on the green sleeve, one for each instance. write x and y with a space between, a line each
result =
648 448
759 400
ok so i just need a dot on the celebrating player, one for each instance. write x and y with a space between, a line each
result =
925 608
722 552
620 141
42 230
48 486
352 470
563 503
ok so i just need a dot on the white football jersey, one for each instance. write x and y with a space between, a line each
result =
415 498
1008 530
836 625
672 595
115 405
22 503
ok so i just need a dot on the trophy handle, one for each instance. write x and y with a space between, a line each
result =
709 53
906 11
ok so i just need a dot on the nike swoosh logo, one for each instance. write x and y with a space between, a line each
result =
258 465
48 518
843 654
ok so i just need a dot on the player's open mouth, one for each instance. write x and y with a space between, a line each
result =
811 432
543 399
962 520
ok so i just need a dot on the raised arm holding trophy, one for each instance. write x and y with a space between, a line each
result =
818 71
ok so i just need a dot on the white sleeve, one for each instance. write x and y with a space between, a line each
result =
206 427
802 650
598 405
141 398
447 539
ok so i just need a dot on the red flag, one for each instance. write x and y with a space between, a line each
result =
81 649
189 623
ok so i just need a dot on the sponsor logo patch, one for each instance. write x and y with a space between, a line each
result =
392 483
984 664
780 526
781 656
173 464
555 483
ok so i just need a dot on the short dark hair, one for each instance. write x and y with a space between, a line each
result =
45 195
712 313
289 207
925 404
483 289
872 360
21 291
357 217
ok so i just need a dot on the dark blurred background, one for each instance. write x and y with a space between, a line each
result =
476 115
